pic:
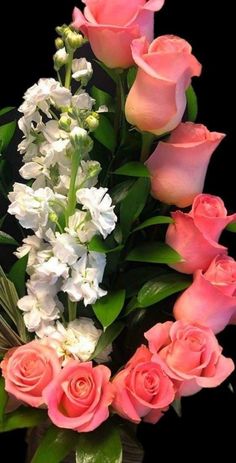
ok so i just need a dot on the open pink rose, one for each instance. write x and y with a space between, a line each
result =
196 249
142 389
79 396
211 299
210 215
28 370
178 166
112 25
157 100
191 355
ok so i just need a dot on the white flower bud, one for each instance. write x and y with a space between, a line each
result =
60 58
65 123
92 121
74 40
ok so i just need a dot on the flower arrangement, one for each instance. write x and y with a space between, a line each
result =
114 222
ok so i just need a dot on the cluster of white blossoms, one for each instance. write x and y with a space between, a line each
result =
62 206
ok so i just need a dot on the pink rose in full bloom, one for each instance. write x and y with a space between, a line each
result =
28 370
142 389
79 396
112 25
211 299
210 215
157 100
190 354
178 166
194 235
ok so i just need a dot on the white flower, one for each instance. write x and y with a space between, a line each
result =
85 279
41 95
82 101
66 248
81 227
30 128
33 169
39 308
32 207
82 70
31 246
98 202
77 341
50 271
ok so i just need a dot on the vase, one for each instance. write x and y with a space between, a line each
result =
132 451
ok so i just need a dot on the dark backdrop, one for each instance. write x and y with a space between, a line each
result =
27 44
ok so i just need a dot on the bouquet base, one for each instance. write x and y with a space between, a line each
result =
132 451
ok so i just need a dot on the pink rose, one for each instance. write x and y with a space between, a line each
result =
157 100
191 355
28 370
79 396
142 389
210 215
196 249
178 166
211 299
112 25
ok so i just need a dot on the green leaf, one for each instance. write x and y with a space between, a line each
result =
100 446
120 191
23 417
7 239
132 206
6 110
177 406
192 104
102 98
133 169
106 338
132 72
158 220
97 244
132 280
3 400
161 287
6 133
109 307
105 133
231 227
55 446
155 252
17 275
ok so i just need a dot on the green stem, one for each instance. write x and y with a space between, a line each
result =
59 77
147 141
76 158
68 70
72 309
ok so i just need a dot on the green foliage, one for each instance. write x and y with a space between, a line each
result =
55 446
17 275
108 308
23 417
155 252
133 169
133 204
100 446
192 104
106 338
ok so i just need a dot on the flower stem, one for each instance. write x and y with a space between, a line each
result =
68 70
72 309
147 141
76 158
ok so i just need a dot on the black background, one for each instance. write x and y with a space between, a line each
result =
208 425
